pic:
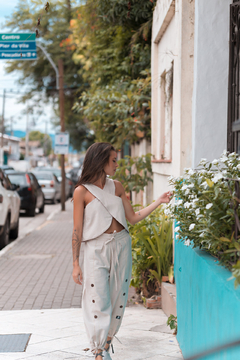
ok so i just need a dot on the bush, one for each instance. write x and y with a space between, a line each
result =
204 209
151 251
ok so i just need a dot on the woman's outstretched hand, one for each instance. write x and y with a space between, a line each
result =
166 197
77 275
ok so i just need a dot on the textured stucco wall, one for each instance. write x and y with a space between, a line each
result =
211 53
172 44
208 306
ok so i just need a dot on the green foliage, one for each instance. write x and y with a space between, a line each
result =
134 173
204 209
39 74
172 322
113 49
119 112
45 140
151 251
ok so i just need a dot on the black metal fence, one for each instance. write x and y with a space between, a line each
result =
233 130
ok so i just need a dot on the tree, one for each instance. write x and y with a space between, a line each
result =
45 140
39 74
112 46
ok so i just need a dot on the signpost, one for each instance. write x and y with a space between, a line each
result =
61 143
18 46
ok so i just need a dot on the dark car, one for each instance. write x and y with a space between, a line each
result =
29 191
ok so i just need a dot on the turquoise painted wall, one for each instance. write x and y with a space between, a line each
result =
208 305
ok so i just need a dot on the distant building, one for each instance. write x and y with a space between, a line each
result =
11 150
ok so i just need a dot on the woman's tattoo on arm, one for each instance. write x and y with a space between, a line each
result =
75 245
139 213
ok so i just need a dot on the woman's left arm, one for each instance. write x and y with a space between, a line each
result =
135 217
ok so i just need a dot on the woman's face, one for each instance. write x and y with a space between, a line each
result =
112 165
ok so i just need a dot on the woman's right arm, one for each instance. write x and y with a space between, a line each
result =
78 209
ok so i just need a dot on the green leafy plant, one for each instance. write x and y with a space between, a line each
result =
134 173
204 209
151 252
172 322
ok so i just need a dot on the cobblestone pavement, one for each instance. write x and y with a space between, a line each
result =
36 272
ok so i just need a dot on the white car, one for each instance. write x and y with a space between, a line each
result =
9 210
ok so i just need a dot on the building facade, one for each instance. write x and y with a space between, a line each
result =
190 65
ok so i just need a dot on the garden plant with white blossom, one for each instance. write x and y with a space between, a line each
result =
204 209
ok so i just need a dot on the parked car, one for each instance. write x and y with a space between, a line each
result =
74 174
58 173
51 187
6 167
9 210
30 191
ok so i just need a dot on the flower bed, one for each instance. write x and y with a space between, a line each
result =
204 209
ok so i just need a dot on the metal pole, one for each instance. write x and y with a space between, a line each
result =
51 62
61 105
3 114
27 136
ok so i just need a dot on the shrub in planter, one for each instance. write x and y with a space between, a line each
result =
204 209
151 252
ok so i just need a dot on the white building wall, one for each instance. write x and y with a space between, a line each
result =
211 52
172 44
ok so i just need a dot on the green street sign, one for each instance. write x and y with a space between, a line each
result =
18 37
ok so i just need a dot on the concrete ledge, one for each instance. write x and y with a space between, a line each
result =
162 16
168 292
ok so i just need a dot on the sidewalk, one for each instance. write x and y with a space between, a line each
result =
39 297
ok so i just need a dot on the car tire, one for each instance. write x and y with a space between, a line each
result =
41 209
4 238
14 232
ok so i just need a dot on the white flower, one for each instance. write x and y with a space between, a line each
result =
179 202
208 206
187 192
167 211
238 166
202 234
209 245
187 205
191 172
217 177
187 242
215 162
223 158
177 229
197 212
170 178
177 236
192 226
203 161
191 185
184 187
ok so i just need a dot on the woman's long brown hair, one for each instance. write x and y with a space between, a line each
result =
96 158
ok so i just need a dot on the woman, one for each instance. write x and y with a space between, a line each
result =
101 208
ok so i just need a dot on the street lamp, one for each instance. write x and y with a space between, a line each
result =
59 86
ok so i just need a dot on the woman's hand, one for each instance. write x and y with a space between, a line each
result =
77 275
165 198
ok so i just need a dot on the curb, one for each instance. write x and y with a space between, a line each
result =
14 242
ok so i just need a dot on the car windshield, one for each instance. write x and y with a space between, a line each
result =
43 176
18 179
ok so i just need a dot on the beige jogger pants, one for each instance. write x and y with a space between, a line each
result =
107 274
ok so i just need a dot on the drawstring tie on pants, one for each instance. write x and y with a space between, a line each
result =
114 258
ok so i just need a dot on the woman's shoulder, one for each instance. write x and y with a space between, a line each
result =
79 192
119 188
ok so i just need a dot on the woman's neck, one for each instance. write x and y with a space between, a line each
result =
101 181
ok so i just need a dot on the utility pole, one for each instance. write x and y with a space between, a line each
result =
27 135
3 115
61 105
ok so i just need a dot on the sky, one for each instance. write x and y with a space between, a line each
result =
9 82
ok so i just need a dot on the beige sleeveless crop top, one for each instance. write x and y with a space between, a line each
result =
98 214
